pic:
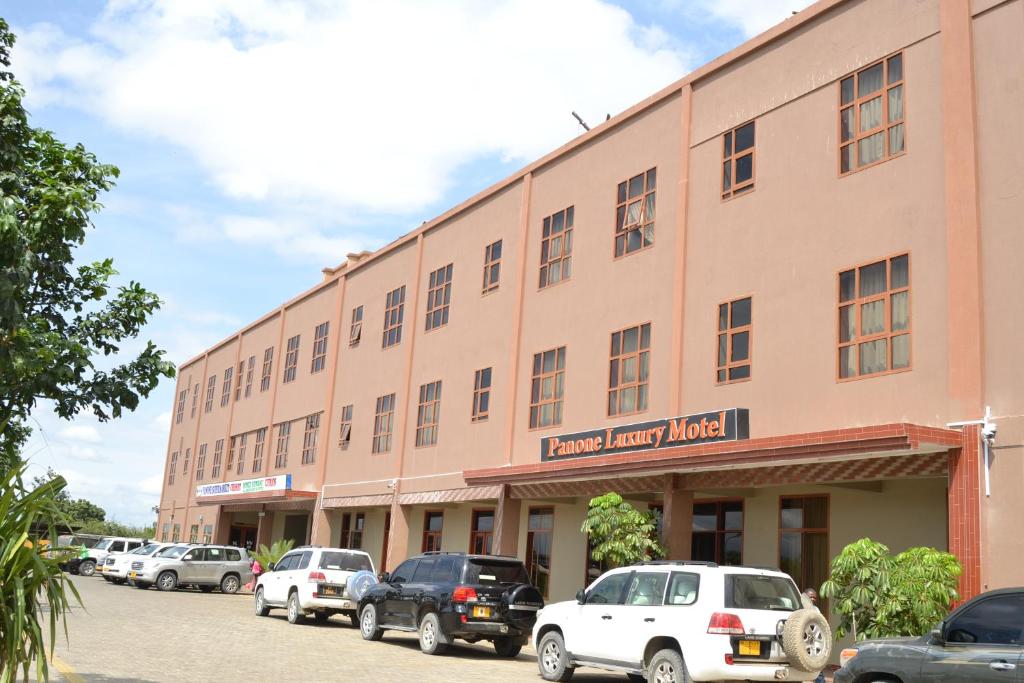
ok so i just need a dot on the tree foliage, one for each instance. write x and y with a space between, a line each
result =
877 595
31 582
619 533
58 320
265 556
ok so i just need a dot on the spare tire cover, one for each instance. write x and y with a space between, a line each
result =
807 640
359 583
521 606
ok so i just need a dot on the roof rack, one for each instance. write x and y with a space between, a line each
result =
465 554
691 563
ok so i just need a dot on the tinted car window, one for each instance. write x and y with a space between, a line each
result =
117 547
609 590
425 569
104 545
483 570
215 554
304 559
133 545
682 589
287 562
348 562
995 621
445 570
233 554
647 588
753 591
195 555
404 571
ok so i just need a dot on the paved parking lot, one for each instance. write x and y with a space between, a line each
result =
124 634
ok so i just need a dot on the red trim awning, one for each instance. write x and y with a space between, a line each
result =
889 439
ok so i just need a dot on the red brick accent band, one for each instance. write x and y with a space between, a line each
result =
965 510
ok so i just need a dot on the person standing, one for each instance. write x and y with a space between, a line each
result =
811 596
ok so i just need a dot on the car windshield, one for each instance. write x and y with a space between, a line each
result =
172 552
479 570
103 545
756 591
144 550
348 562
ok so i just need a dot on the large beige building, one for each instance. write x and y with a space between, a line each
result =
773 300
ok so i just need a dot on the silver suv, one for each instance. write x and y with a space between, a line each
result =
203 566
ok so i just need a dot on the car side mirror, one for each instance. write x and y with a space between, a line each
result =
384 577
187 558
270 567
936 634
581 596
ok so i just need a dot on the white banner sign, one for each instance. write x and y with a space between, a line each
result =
236 488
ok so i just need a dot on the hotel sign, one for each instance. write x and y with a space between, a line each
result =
243 486
723 425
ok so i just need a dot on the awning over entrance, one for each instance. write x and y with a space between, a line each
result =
273 489
259 497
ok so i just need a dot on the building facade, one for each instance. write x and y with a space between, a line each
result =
774 301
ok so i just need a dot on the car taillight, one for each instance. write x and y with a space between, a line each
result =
317 577
726 624
464 594
846 655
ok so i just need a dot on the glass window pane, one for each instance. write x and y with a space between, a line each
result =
896 143
847 283
895 103
739 372
869 80
613 403
741 312
792 511
740 346
870 114
627 400
846 124
900 272
846 90
636 186
872 279
641 397
844 158
629 368
901 351
705 517
872 317
649 209
732 549
652 178
815 513
645 336
726 175
900 311
720 375
633 213
846 323
723 316
727 145
630 338
847 362
621 194
744 168
871 149
745 137
895 68
874 356
722 345
702 547
644 365
732 513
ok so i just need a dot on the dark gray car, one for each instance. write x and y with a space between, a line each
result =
979 642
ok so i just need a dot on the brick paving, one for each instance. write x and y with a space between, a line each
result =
124 634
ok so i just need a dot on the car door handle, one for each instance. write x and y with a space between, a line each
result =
606 616
1002 666
649 620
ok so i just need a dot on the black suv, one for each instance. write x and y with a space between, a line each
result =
445 596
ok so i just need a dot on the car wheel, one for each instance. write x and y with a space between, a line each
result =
167 581
667 667
552 659
508 647
262 609
87 568
807 640
368 626
295 613
432 640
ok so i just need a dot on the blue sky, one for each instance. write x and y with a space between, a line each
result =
260 141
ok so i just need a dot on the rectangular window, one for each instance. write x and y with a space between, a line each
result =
250 370
439 296
492 267
243 441
433 524
173 466
355 332
394 311
539 536
352 526
733 349
310 438
319 348
291 359
175 533
201 462
232 445
718 532
184 464
481 395
556 248
225 394
345 434
195 400
871 124
874 318
179 413
284 430
268 363
165 530
547 388
481 535
257 451
238 381
634 213
803 540
738 160
211 388
208 533
218 452
193 534
382 421
428 414
629 370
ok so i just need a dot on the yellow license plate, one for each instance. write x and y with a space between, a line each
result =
481 611
750 648
131 575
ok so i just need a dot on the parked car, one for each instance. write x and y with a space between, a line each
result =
203 566
979 642
676 622
313 581
117 565
93 557
444 596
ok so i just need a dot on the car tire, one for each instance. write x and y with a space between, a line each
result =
167 581
807 640
508 647
368 626
432 639
230 584
295 613
354 618
552 659
667 667
262 609
87 568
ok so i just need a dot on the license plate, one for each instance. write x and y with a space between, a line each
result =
750 648
328 590
482 612
131 575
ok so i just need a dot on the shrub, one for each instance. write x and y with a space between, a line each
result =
619 533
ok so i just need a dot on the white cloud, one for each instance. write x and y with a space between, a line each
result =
354 107
80 432
753 17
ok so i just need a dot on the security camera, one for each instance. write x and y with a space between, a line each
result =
393 483
988 430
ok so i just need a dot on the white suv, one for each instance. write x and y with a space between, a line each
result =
676 622
315 581
111 544
116 566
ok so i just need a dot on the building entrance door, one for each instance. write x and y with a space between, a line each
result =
242 536
296 528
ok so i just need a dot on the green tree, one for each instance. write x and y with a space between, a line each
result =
619 533
58 319
877 595
31 582
267 556
79 510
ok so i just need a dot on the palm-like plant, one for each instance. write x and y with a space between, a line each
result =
31 582
267 556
